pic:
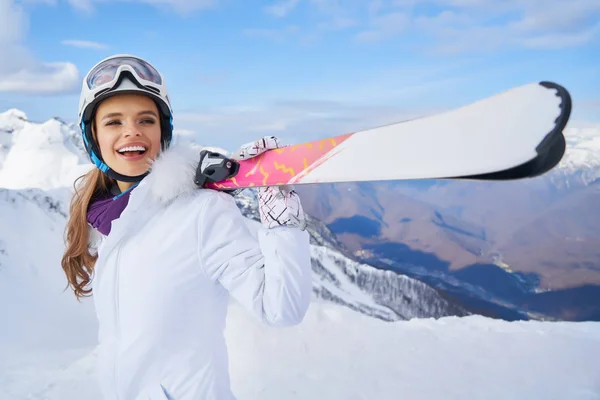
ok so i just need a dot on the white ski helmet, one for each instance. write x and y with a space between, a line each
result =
117 74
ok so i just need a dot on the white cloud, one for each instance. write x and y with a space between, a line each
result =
488 25
85 44
377 98
44 78
458 25
385 25
561 40
20 71
13 21
282 8
82 5
183 7
292 121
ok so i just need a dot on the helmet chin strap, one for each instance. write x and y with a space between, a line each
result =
124 178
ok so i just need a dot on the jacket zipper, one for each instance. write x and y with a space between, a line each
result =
117 322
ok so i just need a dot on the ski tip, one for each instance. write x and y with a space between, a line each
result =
552 148
549 151
565 105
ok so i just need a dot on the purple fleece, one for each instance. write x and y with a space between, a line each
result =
102 211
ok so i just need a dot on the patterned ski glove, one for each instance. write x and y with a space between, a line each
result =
257 147
280 206
277 205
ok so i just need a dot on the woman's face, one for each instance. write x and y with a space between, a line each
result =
128 133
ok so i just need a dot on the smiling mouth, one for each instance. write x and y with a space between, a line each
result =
132 151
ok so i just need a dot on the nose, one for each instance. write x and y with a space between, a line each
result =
132 130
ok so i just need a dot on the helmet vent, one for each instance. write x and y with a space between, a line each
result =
153 89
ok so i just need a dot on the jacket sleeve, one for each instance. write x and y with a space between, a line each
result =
269 275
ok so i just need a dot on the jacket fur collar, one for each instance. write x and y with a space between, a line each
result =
172 172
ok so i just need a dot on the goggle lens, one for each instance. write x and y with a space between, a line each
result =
107 71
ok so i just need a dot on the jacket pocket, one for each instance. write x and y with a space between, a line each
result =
154 392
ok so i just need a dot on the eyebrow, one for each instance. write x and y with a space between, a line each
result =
118 114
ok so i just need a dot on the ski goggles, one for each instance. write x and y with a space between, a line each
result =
107 72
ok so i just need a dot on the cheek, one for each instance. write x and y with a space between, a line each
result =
155 136
105 141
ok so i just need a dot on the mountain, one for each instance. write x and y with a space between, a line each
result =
46 155
42 160
489 244
353 343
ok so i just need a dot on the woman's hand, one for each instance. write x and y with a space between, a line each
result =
257 147
277 205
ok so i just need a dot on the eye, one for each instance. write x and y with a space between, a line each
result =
148 121
113 122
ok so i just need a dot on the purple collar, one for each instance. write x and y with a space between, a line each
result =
105 209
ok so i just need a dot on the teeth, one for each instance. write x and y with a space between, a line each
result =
132 148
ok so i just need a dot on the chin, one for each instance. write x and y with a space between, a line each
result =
131 170
135 171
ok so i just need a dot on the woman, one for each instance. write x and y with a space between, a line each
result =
170 253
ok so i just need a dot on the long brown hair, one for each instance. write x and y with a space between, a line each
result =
77 261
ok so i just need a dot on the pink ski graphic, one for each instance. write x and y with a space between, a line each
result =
282 166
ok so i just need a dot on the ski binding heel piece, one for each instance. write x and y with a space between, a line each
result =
214 167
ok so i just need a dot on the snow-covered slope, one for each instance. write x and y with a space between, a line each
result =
338 354
33 303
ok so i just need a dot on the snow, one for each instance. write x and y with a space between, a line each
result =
39 155
345 290
583 148
339 354
48 339
12 118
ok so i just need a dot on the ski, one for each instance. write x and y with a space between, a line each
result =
515 134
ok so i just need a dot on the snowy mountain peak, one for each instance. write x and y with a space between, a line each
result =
39 155
583 148
12 120
581 163
13 113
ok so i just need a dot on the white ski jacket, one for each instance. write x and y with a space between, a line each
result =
163 278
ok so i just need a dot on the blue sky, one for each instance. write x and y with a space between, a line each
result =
301 69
